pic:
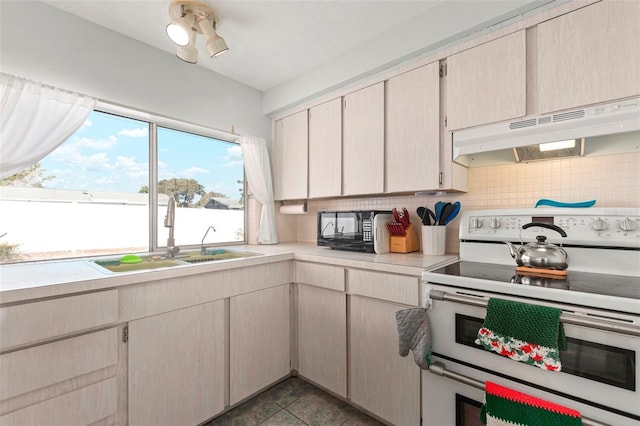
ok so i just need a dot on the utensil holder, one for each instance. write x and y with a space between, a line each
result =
406 244
434 239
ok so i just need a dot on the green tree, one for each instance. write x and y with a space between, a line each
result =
34 176
182 190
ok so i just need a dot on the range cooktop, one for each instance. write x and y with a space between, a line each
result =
584 282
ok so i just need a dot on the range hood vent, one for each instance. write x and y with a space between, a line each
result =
605 119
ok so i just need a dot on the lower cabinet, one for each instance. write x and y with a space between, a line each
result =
176 366
322 337
66 382
259 340
381 381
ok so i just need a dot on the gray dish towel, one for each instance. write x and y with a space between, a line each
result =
414 333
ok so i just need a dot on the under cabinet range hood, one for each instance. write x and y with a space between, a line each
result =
601 129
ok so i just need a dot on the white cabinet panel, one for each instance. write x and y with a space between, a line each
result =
176 366
291 157
382 381
322 337
260 340
487 83
363 141
325 149
413 130
589 56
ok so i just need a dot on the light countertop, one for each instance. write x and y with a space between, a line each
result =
34 280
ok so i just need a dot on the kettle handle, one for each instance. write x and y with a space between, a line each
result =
546 225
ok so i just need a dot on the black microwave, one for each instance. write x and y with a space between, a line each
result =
356 230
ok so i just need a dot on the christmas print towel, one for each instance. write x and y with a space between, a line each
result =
504 406
527 333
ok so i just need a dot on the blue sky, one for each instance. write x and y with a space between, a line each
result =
110 153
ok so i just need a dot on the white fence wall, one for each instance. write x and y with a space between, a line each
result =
67 226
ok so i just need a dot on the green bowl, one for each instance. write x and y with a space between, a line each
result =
130 258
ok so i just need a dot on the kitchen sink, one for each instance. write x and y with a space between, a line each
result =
132 263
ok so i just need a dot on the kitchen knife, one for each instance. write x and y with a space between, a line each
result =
395 214
407 219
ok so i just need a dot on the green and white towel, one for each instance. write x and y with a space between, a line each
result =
527 333
507 407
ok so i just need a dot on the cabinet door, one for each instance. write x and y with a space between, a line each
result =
363 141
588 56
176 366
325 149
259 339
382 381
292 141
487 83
322 337
413 130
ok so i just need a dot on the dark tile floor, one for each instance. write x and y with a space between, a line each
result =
294 402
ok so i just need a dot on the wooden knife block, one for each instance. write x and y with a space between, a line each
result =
405 244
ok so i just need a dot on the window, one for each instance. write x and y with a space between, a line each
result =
105 191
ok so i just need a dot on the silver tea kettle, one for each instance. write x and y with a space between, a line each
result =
540 254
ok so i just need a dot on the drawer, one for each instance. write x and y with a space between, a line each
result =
31 322
394 288
83 406
327 276
44 365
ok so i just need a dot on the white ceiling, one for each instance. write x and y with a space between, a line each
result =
273 41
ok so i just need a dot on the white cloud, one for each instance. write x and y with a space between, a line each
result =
134 133
195 170
87 123
234 156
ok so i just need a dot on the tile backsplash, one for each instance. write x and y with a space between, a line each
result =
611 180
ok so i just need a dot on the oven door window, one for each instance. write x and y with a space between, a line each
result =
594 361
467 411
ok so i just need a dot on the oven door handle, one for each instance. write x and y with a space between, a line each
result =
565 317
440 369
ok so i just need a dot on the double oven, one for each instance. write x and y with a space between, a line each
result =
599 299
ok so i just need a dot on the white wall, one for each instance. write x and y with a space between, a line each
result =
45 44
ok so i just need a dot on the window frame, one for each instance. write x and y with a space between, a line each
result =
155 121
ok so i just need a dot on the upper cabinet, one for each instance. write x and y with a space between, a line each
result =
325 149
589 56
290 153
413 131
363 141
487 83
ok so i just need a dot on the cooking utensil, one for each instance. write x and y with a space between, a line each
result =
438 211
540 254
446 211
454 213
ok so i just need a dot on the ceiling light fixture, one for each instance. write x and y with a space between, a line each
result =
188 18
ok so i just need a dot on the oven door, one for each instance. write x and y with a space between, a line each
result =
446 401
599 368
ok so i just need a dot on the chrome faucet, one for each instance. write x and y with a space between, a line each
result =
169 220
202 249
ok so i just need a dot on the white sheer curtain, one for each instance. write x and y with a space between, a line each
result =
258 170
34 120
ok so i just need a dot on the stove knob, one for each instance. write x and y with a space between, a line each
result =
627 225
475 223
599 225
494 223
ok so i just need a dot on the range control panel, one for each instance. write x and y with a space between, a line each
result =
588 226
